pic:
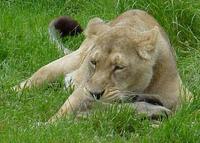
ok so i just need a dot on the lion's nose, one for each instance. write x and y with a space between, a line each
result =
97 95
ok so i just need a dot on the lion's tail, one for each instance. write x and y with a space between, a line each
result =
55 38
61 27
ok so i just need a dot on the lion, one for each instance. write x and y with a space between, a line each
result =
127 60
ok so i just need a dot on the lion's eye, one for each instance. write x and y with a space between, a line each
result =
118 68
93 63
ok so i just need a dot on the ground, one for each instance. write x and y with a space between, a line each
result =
25 46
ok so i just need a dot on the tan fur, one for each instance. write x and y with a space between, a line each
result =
129 54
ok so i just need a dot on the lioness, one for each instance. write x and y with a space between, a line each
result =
129 60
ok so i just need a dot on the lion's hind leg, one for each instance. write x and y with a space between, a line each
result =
51 71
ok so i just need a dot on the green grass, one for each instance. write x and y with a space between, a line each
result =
25 46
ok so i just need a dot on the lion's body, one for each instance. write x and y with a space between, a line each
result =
130 54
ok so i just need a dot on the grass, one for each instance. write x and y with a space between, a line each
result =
25 46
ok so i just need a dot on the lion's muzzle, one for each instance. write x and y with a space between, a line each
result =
97 94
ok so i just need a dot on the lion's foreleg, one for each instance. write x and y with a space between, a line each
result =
149 104
150 110
78 101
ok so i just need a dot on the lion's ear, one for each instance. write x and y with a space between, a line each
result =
95 27
146 43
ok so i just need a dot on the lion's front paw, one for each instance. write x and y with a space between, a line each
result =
16 88
159 113
152 111
54 118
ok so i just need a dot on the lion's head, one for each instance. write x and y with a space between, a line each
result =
121 59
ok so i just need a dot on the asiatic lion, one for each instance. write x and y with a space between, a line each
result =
129 59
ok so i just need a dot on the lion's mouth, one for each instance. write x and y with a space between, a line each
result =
94 95
97 95
113 96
